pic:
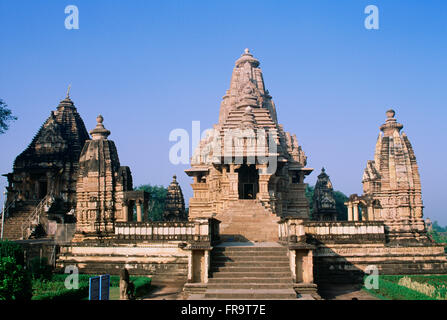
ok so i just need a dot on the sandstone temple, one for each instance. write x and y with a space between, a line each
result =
324 206
248 232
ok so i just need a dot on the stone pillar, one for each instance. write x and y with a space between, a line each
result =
308 270
206 267
125 212
350 217
264 186
370 211
139 211
356 212
190 267
233 180
292 260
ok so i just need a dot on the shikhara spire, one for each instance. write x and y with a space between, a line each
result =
392 185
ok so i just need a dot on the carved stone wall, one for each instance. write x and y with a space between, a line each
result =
101 185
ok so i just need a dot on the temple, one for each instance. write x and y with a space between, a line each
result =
46 172
323 199
104 188
248 233
392 186
175 203
248 163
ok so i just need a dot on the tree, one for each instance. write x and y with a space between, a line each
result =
438 228
5 117
157 200
15 280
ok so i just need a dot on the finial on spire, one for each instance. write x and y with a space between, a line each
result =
323 170
390 113
247 51
68 91
174 177
99 132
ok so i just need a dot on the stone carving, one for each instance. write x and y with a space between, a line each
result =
323 199
102 185
175 203
392 186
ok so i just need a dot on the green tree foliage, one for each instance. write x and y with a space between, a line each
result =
40 269
15 280
438 228
12 249
309 195
5 117
339 197
157 200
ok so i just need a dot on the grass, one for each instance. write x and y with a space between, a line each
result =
55 289
411 287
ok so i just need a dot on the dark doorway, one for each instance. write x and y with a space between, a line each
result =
42 189
248 182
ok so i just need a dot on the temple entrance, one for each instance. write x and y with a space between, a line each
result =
43 189
248 181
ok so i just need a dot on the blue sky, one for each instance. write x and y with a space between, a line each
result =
152 66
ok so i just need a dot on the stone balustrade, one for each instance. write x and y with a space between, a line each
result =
197 230
291 230
342 231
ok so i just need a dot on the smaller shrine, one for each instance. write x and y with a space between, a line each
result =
104 188
323 199
175 203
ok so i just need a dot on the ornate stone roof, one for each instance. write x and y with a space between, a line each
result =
99 154
323 199
394 166
175 203
59 140
248 105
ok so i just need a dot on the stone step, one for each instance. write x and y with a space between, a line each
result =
245 248
229 274
238 285
249 264
251 269
251 280
249 259
250 294
249 254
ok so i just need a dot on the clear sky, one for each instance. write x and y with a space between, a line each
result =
152 66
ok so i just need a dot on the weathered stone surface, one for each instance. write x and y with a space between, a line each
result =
175 203
392 186
323 199
101 187
48 166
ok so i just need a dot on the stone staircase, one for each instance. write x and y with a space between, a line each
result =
18 216
250 272
248 220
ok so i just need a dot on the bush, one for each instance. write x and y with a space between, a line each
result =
15 281
142 286
40 269
13 250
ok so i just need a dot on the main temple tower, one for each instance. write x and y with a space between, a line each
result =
248 172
